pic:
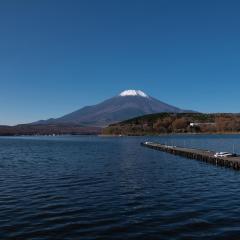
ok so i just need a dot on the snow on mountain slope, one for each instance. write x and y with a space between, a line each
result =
133 93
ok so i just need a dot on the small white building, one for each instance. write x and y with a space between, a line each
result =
201 124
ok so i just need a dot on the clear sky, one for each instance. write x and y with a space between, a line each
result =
58 56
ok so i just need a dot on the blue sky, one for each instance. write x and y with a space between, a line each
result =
57 56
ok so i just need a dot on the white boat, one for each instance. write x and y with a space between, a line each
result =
223 154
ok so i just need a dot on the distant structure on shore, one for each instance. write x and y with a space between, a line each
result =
199 124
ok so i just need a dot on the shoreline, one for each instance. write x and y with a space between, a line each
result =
121 135
170 134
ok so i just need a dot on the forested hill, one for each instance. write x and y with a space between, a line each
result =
60 129
176 123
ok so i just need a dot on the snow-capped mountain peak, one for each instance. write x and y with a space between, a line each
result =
128 104
133 93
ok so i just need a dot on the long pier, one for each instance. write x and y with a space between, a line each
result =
198 154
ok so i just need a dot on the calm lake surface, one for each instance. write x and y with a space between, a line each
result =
112 188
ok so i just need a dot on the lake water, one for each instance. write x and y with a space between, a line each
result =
112 188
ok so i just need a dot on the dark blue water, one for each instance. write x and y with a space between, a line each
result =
112 188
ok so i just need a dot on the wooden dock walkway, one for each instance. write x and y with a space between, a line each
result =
198 154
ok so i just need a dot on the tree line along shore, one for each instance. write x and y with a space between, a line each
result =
153 124
173 123
60 129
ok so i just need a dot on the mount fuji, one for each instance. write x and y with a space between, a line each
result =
128 104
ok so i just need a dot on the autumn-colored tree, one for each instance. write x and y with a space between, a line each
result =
223 124
159 127
180 123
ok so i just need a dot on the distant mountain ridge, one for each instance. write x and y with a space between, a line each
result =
128 104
